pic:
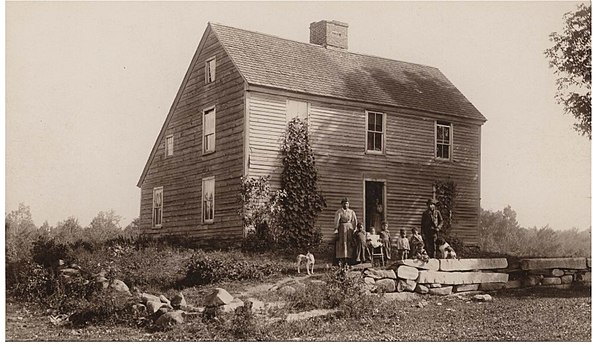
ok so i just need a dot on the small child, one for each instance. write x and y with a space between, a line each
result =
415 240
360 244
385 240
373 238
403 245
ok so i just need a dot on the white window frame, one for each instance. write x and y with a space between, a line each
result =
209 131
157 223
383 132
210 74
450 143
206 220
169 148
290 109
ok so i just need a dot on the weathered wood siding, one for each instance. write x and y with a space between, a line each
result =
408 166
181 174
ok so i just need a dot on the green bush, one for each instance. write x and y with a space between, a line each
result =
47 252
29 281
206 268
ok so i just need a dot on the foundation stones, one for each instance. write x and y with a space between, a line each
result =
472 264
407 272
551 263
432 264
466 287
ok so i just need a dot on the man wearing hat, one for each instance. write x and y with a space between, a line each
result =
431 224
345 223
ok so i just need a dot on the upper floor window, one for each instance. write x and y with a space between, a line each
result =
297 109
208 130
157 206
443 140
208 199
375 131
169 145
210 70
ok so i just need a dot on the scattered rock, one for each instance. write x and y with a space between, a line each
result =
231 306
164 299
422 289
154 306
406 285
218 297
120 286
566 279
178 301
257 305
170 318
482 298
149 297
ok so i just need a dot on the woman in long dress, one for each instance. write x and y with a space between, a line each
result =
345 223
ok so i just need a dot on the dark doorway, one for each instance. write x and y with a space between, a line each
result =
374 204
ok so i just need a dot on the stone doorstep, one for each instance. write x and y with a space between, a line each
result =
472 264
407 272
551 263
459 278
432 264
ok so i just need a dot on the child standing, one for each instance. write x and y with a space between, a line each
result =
415 240
403 245
362 253
385 240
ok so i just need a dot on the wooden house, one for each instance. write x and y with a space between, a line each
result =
383 131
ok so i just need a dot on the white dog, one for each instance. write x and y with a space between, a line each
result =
444 251
309 259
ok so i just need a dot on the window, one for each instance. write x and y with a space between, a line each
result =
210 70
296 109
443 140
169 145
208 199
208 126
157 207
375 131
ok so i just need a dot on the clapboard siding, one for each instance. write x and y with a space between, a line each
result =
408 165
181 175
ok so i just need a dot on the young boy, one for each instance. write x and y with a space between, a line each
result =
403 245
362 253
385 240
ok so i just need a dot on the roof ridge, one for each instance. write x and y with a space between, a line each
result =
319 46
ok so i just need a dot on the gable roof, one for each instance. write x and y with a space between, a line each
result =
271 61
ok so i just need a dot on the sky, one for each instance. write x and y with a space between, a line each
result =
88 87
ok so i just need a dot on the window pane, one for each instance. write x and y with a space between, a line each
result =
378 141
371 123
208 189
447 135
379 122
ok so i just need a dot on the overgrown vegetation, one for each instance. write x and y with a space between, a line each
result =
502 234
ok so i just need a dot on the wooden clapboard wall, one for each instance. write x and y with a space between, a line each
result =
181 174
408 166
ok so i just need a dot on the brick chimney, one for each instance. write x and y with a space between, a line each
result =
329 34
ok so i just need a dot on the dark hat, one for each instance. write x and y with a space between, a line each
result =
431 201
384 223
345 200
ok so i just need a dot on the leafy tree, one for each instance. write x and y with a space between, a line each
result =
133 227
571 58
303 201
104 227
20 232
68 231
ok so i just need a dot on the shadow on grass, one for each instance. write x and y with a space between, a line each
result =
548 292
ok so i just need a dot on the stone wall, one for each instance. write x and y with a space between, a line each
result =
446 276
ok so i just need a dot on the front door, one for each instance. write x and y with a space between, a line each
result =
374 204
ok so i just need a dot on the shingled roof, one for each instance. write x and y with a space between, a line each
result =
271 61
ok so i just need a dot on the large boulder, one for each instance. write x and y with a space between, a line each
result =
432 264
386 285
178 301
217 298
472 264
551 263
120 287
170 318
460 278
407 272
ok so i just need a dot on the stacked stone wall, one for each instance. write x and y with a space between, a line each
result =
447 276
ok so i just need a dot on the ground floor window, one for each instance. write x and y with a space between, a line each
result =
157 206
208 199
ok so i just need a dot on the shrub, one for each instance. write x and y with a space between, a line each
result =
213 267
103 307
29 281
47 252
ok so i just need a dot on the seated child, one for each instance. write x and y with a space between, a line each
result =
403 245
362 252
421 253
373 238
385 240
415 239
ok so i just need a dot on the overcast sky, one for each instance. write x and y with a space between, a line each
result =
88 86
